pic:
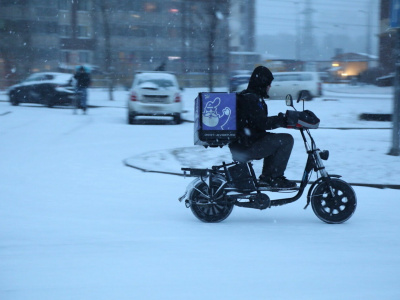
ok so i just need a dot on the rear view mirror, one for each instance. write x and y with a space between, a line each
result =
300 97
289 100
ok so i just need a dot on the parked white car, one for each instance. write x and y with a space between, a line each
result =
294 83
155 94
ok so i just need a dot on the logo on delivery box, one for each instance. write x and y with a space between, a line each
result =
218 113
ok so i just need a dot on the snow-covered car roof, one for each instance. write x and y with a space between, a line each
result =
52 76
45 77
158 75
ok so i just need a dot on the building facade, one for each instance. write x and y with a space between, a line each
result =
121 37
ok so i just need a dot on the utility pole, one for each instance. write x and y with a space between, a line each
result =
368 33
395 23
308 38
395 150
185 38
297 32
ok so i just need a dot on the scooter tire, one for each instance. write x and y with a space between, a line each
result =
334 209
206 210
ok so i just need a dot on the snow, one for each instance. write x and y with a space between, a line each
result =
77 223
58 78
155 75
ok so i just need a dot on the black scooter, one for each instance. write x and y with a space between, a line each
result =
214 192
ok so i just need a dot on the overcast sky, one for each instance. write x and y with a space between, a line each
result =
329 15
349 17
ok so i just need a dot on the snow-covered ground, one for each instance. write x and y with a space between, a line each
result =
76 223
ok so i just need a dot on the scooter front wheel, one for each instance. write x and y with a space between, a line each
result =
336 205
210 204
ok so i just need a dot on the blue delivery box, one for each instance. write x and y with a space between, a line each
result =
215 119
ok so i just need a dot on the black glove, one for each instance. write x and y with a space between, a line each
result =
292 118
281 120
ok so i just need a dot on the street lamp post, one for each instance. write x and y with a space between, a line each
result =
395 150
297 32
395 24
368 27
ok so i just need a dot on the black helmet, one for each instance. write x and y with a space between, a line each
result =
259 80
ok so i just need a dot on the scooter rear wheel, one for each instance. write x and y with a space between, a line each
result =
210 205
334 209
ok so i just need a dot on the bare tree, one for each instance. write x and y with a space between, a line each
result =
214 17
210 21
104 8
212 33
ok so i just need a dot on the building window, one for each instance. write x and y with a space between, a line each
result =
64 4
84 57
83 5
135 6
44 27
64 30
150 7
50 27
48 3
173 32
66 57
172 7
74 57
83 32
135 31
41 11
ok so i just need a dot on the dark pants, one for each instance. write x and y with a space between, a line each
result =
275 148
81 94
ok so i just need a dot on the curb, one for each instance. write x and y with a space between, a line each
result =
376 117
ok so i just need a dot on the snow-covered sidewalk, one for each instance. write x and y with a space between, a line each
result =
357 90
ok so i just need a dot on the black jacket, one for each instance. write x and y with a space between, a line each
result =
252 111
82 79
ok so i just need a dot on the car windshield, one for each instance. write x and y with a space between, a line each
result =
160 82
33 77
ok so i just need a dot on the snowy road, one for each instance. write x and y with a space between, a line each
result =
75 223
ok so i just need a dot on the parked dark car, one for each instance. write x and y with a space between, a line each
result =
387 80
48 88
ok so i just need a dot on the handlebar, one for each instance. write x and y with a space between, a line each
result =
302 119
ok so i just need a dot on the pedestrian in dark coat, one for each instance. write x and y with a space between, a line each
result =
254 142
83 81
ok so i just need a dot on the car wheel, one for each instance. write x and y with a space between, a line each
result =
13 99
178 118
50 103
131 117
49 99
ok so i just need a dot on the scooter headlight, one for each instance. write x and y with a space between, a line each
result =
324 154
